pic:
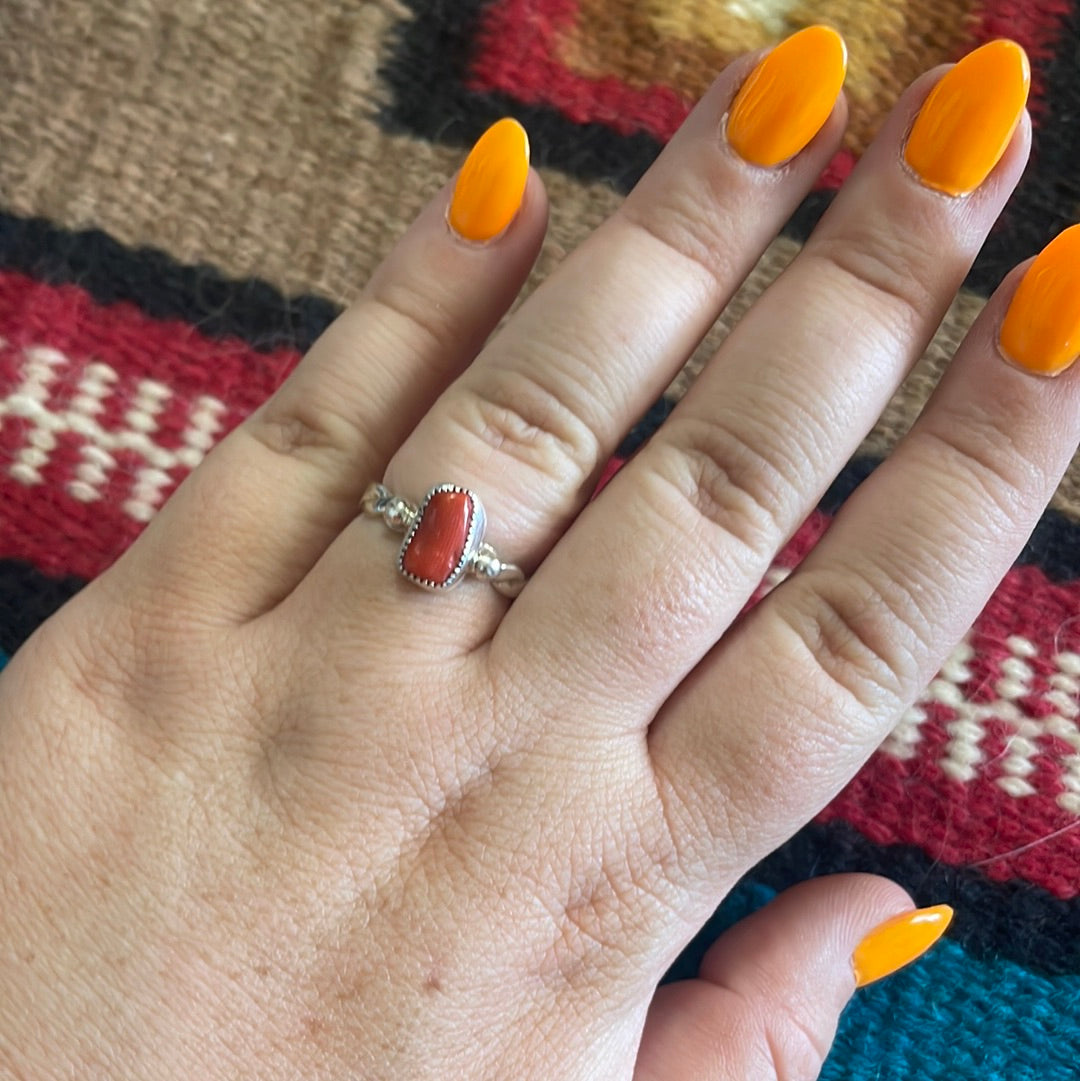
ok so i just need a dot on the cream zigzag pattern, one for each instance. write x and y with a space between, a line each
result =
964 758
95 382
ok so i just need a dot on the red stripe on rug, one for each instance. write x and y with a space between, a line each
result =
103 411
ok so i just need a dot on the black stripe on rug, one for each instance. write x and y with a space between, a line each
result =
1054 546
27 599
1013 920
247 308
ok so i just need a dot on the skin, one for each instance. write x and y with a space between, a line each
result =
266 810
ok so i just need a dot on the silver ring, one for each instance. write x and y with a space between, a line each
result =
444 538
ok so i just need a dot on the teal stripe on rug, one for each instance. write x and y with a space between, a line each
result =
948 1016
3 658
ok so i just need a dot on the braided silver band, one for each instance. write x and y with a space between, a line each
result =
470 554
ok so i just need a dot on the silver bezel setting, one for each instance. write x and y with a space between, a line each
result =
474 539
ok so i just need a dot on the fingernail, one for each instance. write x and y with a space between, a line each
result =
788 96
1041 331
491 183
967 121
897 942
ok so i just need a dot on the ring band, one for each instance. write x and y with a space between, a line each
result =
444 538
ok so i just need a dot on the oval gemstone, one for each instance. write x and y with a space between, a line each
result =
437 544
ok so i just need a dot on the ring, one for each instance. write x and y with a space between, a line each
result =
444 538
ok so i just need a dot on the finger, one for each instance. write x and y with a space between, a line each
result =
250 522
531 422
866 620
770 992
662 563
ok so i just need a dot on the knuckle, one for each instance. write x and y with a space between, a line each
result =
308 418
861 631
683 229
984 452
726 480
793 1044
891 269
306 428
515 415
408 316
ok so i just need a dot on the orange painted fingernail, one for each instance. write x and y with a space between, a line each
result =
491 184
788 97
967 121
898 942
1041 331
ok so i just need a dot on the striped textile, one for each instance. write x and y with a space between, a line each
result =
188 195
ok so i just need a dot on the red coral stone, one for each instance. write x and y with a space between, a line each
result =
436 547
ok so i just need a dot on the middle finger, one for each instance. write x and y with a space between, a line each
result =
654 571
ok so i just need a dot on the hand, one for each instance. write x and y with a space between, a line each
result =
268 810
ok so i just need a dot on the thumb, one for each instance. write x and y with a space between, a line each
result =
771 989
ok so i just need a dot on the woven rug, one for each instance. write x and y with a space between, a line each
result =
190 192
